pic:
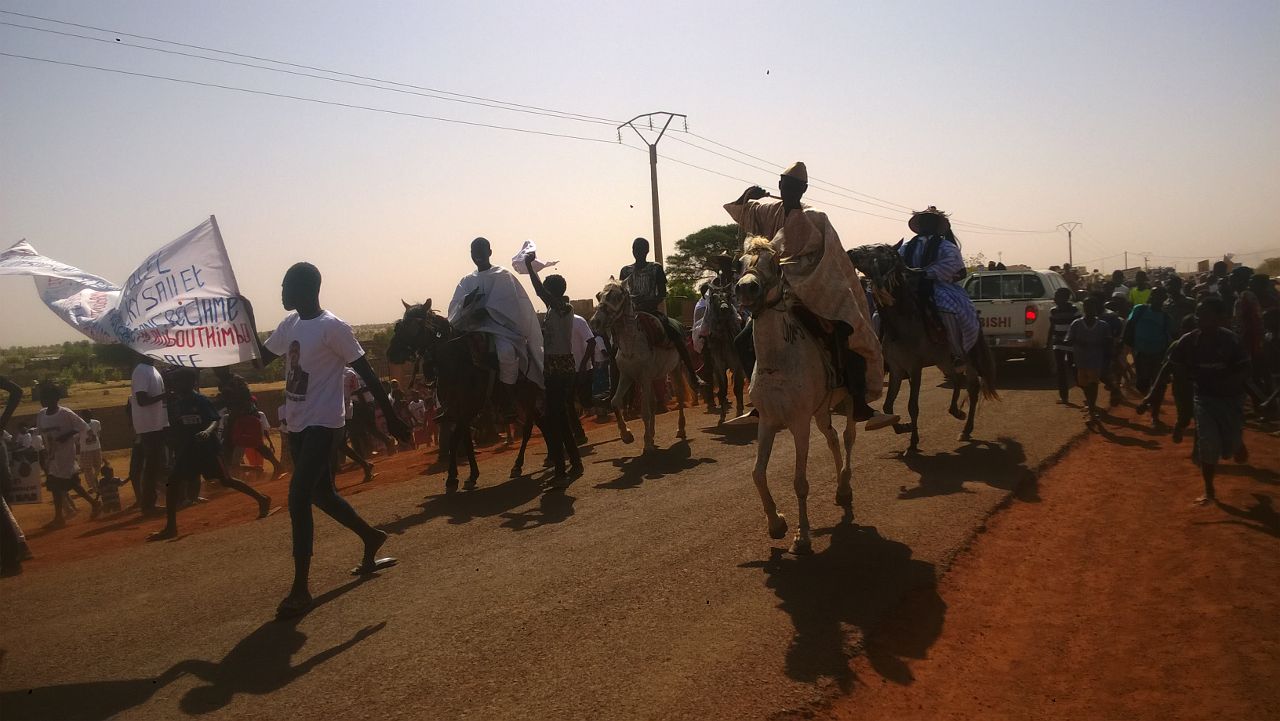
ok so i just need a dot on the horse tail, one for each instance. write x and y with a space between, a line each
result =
985 363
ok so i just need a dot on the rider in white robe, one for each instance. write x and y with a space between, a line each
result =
491 300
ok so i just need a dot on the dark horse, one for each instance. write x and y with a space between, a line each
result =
913 342
456 362
722 325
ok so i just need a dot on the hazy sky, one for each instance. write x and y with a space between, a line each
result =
1156 124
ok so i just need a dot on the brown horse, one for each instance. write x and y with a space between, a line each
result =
722 325
910 345
457 361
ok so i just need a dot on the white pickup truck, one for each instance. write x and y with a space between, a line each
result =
1013 308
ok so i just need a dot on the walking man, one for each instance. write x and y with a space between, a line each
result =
317 346
150 419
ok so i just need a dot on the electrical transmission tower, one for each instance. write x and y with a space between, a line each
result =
1070 228
653 165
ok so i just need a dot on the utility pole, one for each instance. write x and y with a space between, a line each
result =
653 166
1070 228
1126 260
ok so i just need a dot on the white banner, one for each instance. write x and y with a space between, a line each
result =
181 306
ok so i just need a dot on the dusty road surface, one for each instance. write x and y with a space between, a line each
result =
648 589
1112 598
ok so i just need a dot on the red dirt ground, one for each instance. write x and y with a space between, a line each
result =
1112 598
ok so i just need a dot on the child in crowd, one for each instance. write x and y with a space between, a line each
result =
109 490
61 428
1091 339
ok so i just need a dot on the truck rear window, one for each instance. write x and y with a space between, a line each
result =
1009 286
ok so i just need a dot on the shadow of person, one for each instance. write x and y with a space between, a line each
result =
1261 475
652 465
837 598
1129 441
1000 464
465 506
261 663
554 506
1260 516
742 435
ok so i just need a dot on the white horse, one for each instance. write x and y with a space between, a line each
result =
642 356
792 385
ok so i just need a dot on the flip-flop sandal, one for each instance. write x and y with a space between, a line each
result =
377 565
293 608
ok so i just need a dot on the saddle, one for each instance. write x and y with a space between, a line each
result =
652 327
480 348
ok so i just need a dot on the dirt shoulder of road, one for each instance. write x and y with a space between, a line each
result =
1113 597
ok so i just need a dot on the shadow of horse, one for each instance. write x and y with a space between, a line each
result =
555 506
840 602
743 435
259 664
652 466
466 506
1261 516
1000 464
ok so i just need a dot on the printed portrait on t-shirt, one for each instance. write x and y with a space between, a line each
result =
295 379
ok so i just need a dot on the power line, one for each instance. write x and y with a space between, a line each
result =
318 101
450 96
191 46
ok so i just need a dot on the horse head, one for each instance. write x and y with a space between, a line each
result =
760 284
416 333
722 311
884 267
612 304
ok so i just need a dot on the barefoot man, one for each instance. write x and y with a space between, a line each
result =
317 346
822 278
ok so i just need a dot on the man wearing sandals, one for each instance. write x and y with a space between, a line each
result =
317 346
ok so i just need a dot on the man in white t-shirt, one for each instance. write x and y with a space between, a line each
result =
317 346
150 419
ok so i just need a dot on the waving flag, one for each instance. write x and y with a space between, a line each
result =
181 306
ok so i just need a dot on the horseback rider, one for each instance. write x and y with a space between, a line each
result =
934 253
648 286
492 301
820 276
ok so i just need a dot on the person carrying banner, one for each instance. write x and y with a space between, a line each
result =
150 419
317 346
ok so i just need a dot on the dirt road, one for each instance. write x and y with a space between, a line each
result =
648 590
1112 598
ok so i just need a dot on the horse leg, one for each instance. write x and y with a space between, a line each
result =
974 388
738 383
913 407
844 494
530 417
846 476
891 396
681 388
620 397
646 413
474 474
802 545
954 410
765 435
455 439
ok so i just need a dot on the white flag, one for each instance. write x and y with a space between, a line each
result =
181 306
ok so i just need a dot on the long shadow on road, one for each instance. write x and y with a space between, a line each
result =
465 506
1000 464
652 466
847 588
261 663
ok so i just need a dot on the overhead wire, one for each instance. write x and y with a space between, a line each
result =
451 96
301 98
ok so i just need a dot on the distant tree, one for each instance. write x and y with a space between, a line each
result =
688 264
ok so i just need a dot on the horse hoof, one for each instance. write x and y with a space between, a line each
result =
901 428
517 472
681 435
801 547
451 484
628 437
965 437
778 527
470 485
844 499
913 451
958 414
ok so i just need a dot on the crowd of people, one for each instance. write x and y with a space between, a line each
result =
1216 347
